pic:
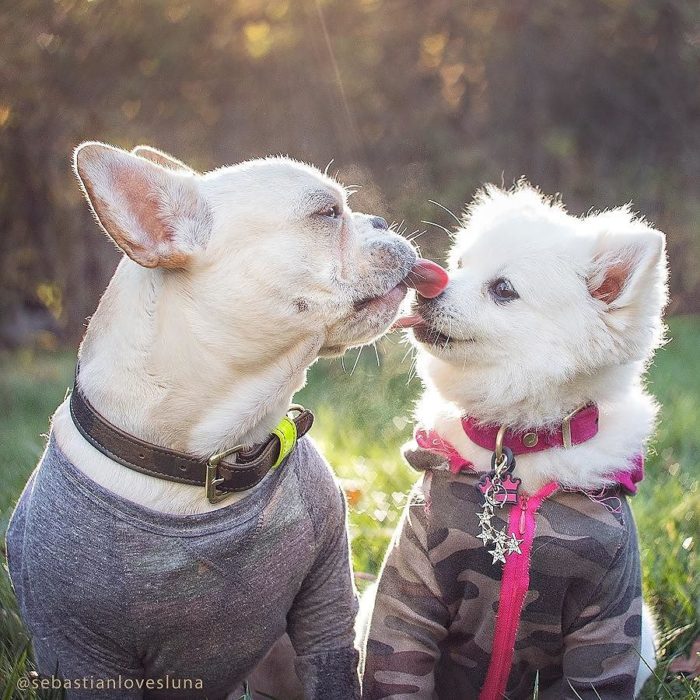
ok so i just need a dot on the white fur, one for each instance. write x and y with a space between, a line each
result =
647 652
233 286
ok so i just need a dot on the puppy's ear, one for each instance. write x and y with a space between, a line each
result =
629 260
156 215
161 158
628 276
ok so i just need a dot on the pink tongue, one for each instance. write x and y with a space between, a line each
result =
427 278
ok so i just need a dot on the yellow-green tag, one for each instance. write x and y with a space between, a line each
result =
286 431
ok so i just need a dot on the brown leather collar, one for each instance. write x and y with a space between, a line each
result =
220 477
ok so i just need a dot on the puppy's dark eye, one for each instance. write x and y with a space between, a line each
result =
333 212
502 291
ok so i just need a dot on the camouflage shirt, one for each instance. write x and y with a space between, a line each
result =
578 629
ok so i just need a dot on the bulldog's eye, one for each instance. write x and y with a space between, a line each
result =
502 291
333 212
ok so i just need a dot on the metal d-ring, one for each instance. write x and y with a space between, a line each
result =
499 443
505 464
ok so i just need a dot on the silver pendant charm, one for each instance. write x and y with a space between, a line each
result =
498 488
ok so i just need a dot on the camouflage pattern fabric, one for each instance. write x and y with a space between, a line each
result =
432 628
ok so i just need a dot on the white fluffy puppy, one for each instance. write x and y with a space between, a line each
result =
546 312
531 432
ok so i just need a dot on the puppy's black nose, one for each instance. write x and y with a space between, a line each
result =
379 222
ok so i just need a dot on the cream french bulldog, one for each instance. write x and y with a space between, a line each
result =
233 282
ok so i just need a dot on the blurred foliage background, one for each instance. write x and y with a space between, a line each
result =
598 100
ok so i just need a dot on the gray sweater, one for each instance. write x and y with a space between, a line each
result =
108 588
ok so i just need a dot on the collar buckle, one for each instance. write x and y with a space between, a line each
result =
287 434
566 426
212 476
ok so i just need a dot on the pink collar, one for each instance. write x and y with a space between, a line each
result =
430 440
579 426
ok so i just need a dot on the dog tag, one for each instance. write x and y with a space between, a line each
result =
506 493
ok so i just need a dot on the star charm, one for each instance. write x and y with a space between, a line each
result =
484 536
513 544
485 517
498 554
499 538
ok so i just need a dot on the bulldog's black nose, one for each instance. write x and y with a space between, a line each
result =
379 222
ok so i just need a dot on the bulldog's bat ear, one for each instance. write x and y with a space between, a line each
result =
161 158
155 214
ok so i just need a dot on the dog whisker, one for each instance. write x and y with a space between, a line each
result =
376 352
449 211
449 334
407 353
357 359
398 227
432 223
416 234
413 370
419 274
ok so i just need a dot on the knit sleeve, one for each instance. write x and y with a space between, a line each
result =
321 621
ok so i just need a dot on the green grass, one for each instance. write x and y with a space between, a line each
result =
362 419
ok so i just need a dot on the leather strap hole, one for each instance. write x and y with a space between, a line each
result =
182 467
142 456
